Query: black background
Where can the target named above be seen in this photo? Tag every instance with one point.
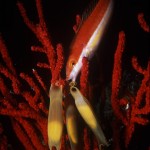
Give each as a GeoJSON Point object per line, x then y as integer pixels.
{"type": "Point", "coordinates": [60, 17]}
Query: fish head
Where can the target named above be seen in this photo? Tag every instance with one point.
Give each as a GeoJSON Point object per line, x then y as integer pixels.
{"type": "Point", "coordinates": [72, 61]}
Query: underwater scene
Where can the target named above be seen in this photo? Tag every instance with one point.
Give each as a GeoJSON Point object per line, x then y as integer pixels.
{"type": "Point", "coordinates": [74, 75]}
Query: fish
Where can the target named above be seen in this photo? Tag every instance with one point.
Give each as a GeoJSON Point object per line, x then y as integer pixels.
{"type": "Point", "coordinates": [93, 25]}
{"type": "Point", "coordinates": [71, 124]}
{"type": "Point", "coordinates": [87, 113]}
{"type": "Point", "coordinates": [55, 118]}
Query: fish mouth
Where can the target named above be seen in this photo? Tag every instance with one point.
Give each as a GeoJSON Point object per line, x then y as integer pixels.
{"type": "Point", "coordinates": [67, 75]}
{"type": "Point", "coordinates": [68, 79]}
{"type": "Point", "coordinates": [73, 73]}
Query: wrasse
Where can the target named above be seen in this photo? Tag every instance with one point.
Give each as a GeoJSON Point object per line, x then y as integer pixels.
{"type": "Point", "coordinates": [88, 37]}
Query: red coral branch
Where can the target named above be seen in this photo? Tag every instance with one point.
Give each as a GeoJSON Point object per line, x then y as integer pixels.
{"type": "Point", "coordinates": [32, 100]}
{"type": "Point", "coordinates": [143, 23]}
{"type": "Point", "coordinates": [39, 79]}
{"type": "Point", "coordinates": [41, 32]}
{"type": "Point", "coordinates": [84, 77]}
{"type": "Point", "coordinates": [59, 64]}
{"type": "Point", "coordinates": [116, 77]}
{"type": "Point", "coordinates": [43, 65]}
{"type": "Point", "coordinates": [87, 145]}
{"type": "Point", "coordinates": [40, 13]}
{"type": "Point", "coordinates": [3, 139]}
{"type": "Point", "coordinates": [27, 107]}
{"type": "Point", "coordinates": [13, 79]}
{"type": "Point", "coordinates": [22, 135]}
{"type": "Point", "coordinates": [136, 66]}
{"type": "Point", "coordinates": [137, 105]}
{"type": "Point", "coordinates": [6, 57]}
{"type": "Point", "coordinates": [31, 132]}
{"type": "Point", "coordinates": [38, 49]}
{"type": "Point", "coordinates": [14, 105]}
{"type": "Point", "coordinates": [84, 90]}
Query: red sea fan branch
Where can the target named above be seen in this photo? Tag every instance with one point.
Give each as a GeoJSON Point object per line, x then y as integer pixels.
{"type": "Point", "coordinates": [11, 77]}
{"type": "Point", "coordinates": [137, 105]}
{"type": "Point", "coordinates": [31, 99]}
{"type": "Point", "coordinates": [6, 57]}
{"type": "Point", "coordinates": [8, 71]}
{"type": "Point", "coordinates": [136, 66]}
{"type": "Point", "coordinates": [22, 135]}
{"type": "Point", "coordinates": [3, 139]}
{"type": "Point", "coordinates": [143, 23]}
{"type": "Point", "coordinates": [145, 81]}
{"type": "Point", "coordinates": [39, 79]}
{"type": "Point", "coordinates": [14, 105]}
{"type": "Point", "coordinates": [41, 32]}
{"type": "Point", "coordinates": [84, 90]}
{"type": "Point", "coordinates": [31, 132]}
{"type": "Point", "coordinates": [84, 77]}
{"type": "Point", "coordinates": [40, 13]}
{"type": "Point", "coordinates": [116, 77]}
{"type": "Point", "coordinates": [59, 64]}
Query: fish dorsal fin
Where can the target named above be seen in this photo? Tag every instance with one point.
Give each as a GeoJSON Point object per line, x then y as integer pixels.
{"type": "Point", "coordinates": [88, 10]}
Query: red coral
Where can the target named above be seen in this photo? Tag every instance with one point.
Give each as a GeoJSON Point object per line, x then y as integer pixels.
{"type": "Point", "coordinates": [3, 141]}
{"type": "Point", "coordinates": [84, 77]}
{"type": "Point", "coordinates": [143, 23]}
{"type": "Point", "coordinates": [132, 114]}
{"type": "Point", "coordinates": [23, 100]}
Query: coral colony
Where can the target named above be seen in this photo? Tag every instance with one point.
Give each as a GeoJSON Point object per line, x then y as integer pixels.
{"type": "Point", "coordinates": [23, 97]}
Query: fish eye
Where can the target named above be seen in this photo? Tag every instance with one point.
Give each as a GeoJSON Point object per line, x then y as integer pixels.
{"type": "Point", "coordinates": [72, 63]}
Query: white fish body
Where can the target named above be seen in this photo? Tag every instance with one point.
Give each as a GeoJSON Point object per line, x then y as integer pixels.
{"type": "Point", "coordinates": [71, 123]}
{"type": "Point", "coordinates": [55, 118]}
{"type": "Point", "coordinates": [88, 115]}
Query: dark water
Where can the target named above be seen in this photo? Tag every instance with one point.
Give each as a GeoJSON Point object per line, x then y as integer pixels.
{"type": "Point", "coordinates": [60, 17]}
